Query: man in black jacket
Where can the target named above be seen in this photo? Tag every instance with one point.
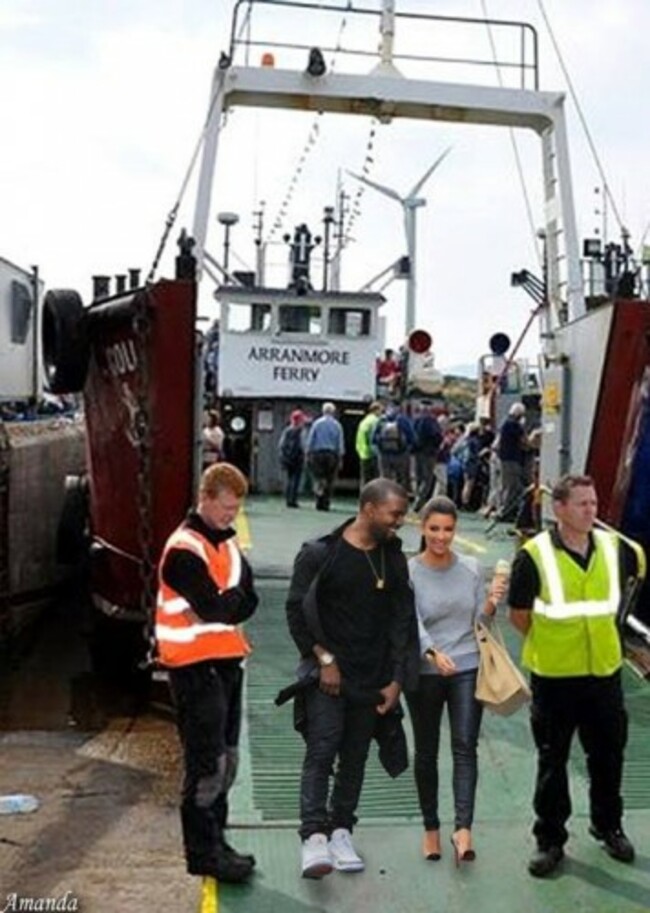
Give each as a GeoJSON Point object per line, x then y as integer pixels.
{"type": "Point", "coordinates": [205, 592]}
{"type": "Point", "coordinates": [351, 614]}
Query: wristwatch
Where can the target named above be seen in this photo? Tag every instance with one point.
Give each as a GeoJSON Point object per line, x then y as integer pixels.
{"type": "Point", "coordinates": [326, 658]}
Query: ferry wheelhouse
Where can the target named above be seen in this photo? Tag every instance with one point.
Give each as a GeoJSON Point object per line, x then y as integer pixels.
{"type": "Point", "coordinates": [279, 351]}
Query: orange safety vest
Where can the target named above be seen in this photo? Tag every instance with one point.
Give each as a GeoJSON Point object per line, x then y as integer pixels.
{"type": "Point", "coordinates": [182, 636]}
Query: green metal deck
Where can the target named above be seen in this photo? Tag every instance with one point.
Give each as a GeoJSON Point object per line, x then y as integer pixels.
{"type": "Point", "coordinates": [265, 800]}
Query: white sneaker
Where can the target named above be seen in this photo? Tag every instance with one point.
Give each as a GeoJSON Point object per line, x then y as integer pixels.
{"type": "Point", "coordinates": [344, 856]}
{"type": "Point", "coordinates": [316, 858]}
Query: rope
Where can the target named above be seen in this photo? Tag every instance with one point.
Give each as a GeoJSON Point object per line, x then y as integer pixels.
{"type": "Point", "coordinates": [368, 161]}
{"type": "Point", "coordinates": [312, 138]}
{"type": "Point", "coordinates": [583, 121]}
{"type": "Point", "coordinates": [173, 212]}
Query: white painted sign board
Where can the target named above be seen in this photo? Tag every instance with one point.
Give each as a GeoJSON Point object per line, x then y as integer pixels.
{"type": "Point", "coordinates": [259, 365]}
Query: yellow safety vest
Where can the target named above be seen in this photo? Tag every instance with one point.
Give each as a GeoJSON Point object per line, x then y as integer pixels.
{"type": "Point", "coordinates": [364, 436]}
{"type": "Point", "coordinates": [182, 636]}
{"type": "Point", "coordinates": [573, 630]}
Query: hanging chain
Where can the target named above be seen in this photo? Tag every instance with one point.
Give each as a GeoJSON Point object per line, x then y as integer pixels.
{"type": "Point", "coordinates": [5, 578]}
{"type": "Point", "coordinates": [142, 325]}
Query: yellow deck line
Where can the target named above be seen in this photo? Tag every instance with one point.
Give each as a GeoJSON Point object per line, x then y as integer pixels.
{"type": "Point", "coordinates": [243, 530]}
{"type": "Point", "coordinates": [469, 544]}
{"type": "Point", "coordinates": [209, 896]}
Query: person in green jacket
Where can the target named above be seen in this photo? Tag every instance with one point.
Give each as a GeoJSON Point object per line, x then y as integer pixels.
{"type": "Point", "coordinates": [565, 593]}
{"type": "Point", "coordinates": [368, 464]}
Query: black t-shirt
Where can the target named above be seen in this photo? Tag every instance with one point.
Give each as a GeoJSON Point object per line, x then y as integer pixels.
{"type": "Point", "coordinates": [511, 441]}
{"type": "Point", "coordinates": [355, 614]}
{"type": "Point", "coordinates": [525, 583]}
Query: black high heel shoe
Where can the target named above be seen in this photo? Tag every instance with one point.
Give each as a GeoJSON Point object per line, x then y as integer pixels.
{"type": "Point", "coordinates": [466, 855]}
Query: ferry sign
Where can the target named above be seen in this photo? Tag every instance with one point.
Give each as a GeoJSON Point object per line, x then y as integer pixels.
{"type": "Point", "coordinates": [254, 365]}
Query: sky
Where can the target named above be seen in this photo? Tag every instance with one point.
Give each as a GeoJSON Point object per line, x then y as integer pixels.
{"type": "Point", "coordinates": [102, 106]}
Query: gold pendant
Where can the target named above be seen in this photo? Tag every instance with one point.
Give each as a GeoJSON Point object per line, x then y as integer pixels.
{"type": "Point", "coordinates": [380, 583]}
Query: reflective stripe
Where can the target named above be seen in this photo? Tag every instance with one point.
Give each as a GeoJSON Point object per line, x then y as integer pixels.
{"type": "Point", "coordinates": [235, 564]}
{"type": "Point", "coordinates": [587, 608]}
{"type": "Point", "coordinates": [611, 560]}
{"type": "Point", "coordinates": [188, 633]}
{"type": "Point", "coordinates": [558, 607]}
{"type": "Point", "coordinates": [551, 569]}
{"type": "Point", "coordinates": [174, 606]}
{"type": "Point", "coordinates": [196, 544]}
{"type": "Point", "coordinates": [187, 539]}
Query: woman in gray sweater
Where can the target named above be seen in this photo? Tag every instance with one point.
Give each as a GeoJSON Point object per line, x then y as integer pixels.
{"type": "Point", "coordinates": [450, 595]}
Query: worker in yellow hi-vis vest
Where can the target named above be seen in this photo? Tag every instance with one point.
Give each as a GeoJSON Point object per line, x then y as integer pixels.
{"type": "Point", "coordinates": [565, 593]}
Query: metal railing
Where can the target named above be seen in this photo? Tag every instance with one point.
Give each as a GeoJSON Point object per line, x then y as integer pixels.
{"type": "Point", "coordinates": [503, 46]}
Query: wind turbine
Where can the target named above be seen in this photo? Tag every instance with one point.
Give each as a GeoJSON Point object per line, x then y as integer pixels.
{"type": "Point", "coordinates": [409, 204]}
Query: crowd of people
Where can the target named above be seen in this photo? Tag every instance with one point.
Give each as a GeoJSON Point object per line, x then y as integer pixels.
{"type": "Point", "coordinates": [482, 468]}
{"type": "Point", "coordinates": [425, 451]}
{"type": "Point", "coordinates": [370, 627]}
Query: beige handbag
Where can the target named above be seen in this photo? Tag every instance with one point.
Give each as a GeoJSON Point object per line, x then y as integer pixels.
{"type": "Point", "coordinates": [500, 685]}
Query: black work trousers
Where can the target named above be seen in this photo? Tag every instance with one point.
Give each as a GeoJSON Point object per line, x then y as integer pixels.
{"type": "Point", "coordinates": [207, 697]}
{"type": "Point", "coordinates": [323, 465]}
{"type": "Point", "coordinates": [594, 708]}
{"type": "Point", "coordinates": [335, 728]}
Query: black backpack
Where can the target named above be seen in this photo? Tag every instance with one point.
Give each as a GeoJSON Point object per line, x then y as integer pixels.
{"type": "Point", "coordinates": [391, 438]}
{"type": "Point", "coordinates": [291, 453]}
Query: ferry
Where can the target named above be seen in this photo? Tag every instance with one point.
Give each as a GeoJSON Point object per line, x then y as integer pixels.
{"type": "Point", "coordinates": [138, 360]}
{"type": "Point", "coordinates": [137, 357]}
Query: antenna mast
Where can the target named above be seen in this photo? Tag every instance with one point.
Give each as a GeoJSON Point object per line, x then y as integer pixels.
{"type": "Point", "coordinates": [260, 246]}
{"type": "Point", "coordinates": [387, 30]}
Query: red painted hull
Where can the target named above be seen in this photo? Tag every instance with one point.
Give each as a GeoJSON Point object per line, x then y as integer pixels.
{"type": "Point", "coordinates": [626, 360]}
{"type": "Point", "coordinates": [115, 469]}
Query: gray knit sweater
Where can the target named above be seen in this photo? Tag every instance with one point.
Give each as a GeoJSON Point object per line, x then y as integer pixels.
{"type": "Point", "coordinates": [448, 601]}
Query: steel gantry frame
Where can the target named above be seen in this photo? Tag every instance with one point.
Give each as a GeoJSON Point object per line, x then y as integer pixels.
{"type": "Point", "coordinates": [386, 94]}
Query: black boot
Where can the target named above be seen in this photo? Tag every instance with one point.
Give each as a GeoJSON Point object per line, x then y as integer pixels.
{"type": "Point", "coordinates": [545, 861]}
{"type": "Point", "coordinates": [227, 868]}
{"type": "Point", "coordinates": [242, 857]}
{"type": "Point", "coordinates": [617, 844]}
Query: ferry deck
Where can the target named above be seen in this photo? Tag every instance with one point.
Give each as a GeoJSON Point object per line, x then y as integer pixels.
{"type": "Point", "coordinates": [107, 829]}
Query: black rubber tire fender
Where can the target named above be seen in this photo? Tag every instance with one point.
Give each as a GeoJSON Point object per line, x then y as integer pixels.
{"type": "Point", "coordinates": [65, 343]}
{"type": "Point", "coordinates": [73, 532]}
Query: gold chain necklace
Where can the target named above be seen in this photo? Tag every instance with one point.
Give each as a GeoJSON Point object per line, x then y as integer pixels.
{"type": "Point", "coordinates": [380, 579]}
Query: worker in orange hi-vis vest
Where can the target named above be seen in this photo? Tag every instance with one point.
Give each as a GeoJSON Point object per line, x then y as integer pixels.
{"type": "Point", "coordinates": [205, 592]}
